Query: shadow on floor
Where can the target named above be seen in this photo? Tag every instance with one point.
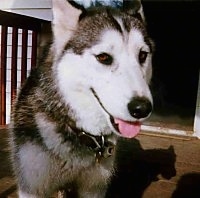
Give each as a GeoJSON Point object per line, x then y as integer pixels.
{"type": "Point", "coordinates": [138, 168]}
{"type": "Point", "coordinates": [188, 186]}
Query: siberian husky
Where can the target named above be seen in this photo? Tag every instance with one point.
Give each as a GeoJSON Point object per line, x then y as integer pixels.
{"type": "Point", "coordinates": [92, 87]}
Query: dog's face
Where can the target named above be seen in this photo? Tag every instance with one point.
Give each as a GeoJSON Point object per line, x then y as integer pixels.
{"type": "Point", "coordinates": [103, 69]}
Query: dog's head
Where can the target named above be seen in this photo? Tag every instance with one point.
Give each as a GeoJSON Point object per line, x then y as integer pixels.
{"type": "Point", "coordinates": [103, 66]}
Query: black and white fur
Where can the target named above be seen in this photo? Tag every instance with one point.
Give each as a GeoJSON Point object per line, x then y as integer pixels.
{"type": "Point", "coordinates": [75, 92]}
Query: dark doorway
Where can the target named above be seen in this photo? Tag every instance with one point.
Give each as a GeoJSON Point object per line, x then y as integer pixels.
{"type": "Point", "coordinates": [174, 27]}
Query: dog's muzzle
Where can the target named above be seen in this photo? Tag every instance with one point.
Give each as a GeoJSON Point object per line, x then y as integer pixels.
{"type": "Point", "coordinates": [139, 108]}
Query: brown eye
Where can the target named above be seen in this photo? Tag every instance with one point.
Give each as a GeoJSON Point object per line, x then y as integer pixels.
{"type": "Point", "coordinates": [104, 58]}
{"type": "Point", "coordinates": [142, 56]}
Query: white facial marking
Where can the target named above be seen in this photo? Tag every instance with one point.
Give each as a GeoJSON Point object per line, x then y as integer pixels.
{"type": "Point", "coordinates": [75, 84]}
{"type": "Point", "coordinates": [114, 84]}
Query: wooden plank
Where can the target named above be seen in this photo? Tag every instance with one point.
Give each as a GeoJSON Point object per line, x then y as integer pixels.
{"type": "Point", "coordinates": [4, 37]}
{"type": "Point", "coordinates": [15, 20]}
{"type": "Point", "coordinates": [14, 64]}
{"type": "Point", "coordinates": [24, 55]}
{"type": "Point", "coordinates": [34, 49]}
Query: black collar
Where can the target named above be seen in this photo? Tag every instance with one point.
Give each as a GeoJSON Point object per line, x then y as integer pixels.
{"type": "Point", "coordinates": [100, 144]}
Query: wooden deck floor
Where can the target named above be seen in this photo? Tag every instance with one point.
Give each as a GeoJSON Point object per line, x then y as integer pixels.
{"type": "Point", "coordinates": [148, 167]}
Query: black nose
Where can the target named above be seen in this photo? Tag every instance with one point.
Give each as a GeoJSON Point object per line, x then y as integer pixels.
{"type": "Point", "coordinates": [139, 107]}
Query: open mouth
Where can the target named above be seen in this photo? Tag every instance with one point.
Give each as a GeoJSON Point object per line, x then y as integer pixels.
{"type": "Point", "coordinates": [121, 127]}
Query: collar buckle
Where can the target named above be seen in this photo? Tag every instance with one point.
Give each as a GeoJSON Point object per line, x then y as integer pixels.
{"type": "Point", "coordinates": [102, 147]}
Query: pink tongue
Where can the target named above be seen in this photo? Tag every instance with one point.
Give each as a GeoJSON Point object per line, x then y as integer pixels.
{"type": "Point", "coordinates": [128, 129]}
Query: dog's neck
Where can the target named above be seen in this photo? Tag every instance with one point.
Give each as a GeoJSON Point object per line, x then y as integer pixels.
{"type": "Point", "coordinates": [100, 144]}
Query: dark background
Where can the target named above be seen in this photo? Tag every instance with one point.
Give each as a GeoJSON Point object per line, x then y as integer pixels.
{"type": "Point", "coordinates": [175, 28]}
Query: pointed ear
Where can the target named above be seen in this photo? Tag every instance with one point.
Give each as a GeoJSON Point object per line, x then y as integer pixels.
{"type": "Point", "coordinates": [134, 8]}
{"type": "Point", "coordinates": [65, 20]}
